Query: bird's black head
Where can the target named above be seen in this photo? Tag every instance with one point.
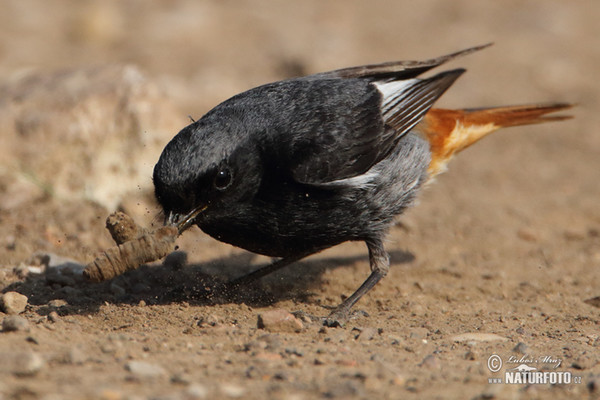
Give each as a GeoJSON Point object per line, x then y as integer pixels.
{"type": "Point", "coordinates": [204, 171]}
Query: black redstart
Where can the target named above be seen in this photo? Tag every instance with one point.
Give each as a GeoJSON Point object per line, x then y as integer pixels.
{"type": "Point", "coordinates": [291, 168]}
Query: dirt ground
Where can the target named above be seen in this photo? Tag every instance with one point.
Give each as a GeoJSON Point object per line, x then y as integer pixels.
{"type": "Point", "coordinates": [507, 242]}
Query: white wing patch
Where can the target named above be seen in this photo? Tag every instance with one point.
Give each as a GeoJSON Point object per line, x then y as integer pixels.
{"type": "Point", "coordinates": [361, 181]}
{"type": "Point", "coordinates": [404, 102]}
{"type": "Point", "coordinates": [391, 91]}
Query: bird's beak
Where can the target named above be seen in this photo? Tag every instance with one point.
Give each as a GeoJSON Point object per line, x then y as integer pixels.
{"type": "Point", "coordinates": [184, 222]}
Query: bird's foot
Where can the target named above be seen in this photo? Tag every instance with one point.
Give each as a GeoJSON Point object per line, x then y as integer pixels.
{"type": "Point", "coordinates": [340, 316]}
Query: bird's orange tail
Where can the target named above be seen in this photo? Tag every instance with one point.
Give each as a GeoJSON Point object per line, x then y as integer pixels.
{"type": "Point", "coordinates": [450, 131]}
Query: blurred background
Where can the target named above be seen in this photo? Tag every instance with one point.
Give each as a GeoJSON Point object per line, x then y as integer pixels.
{"type": "Point", "coordinates": [205, 51]}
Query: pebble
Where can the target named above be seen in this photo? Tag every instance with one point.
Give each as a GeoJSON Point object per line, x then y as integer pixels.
{"type": "Point", "coordinates": [141, 369]}
{"type": "Point", "coordinates": [53, 317]}
{"type": "Point", "coordinates": [478, 337]}
{"type": "Point", "coordinates": [14, 323]}
{"type": "Point", "coordinates": [231, 390]}
{"type": "Point", "coordinates": [13, 303]}
{"type": "Point", "coordinates": [197, 391]}
{"type": "Point", "coordinates": [521, 348]}
{"type": "Point", "coordinates": [431, 362]}
{"type": "Point", "coordinates": [181, 379]}
{"type": "Point", "coordinates": [75, 356]}
{"type": "Point", "coordinates": [21, 363]}
{"type": "Point", "coordinates": [419, 333]}
{"type": "Point", "coordinates": [527, 235]}
{"type": "Point", "coordinates": [279, 320]}
{"type": "Point", "coordinates": [57, 303]}
{"type": "Point", "coordinates": [367, 334]}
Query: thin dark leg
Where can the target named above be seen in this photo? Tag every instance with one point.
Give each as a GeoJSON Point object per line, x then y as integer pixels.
{"type": "Point", "coordinates": [380, 265]}
{"type": "Point", "coordinates": [259, 273]}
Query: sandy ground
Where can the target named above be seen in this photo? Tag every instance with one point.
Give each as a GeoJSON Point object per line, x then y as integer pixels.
{"type": "Point", "coordinates": [506, 243]}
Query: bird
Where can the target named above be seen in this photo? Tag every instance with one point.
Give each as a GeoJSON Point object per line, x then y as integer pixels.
{"type": "Point", "coordinates": [294, 167]}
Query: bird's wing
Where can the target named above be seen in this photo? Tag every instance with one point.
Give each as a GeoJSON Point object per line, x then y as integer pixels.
{"type": "Point", "coordinates": [358, 124]}
{"type": "Point", "coordinates": [396, 69]}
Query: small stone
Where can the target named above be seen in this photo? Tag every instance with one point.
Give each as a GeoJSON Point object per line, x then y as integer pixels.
{"type": "Point", "coordinates": [209, 320]}
{"type": "Point", "coordinates": [21, 363]}
{"type": "Point", "coordinates": [594, 301]}
{"type": "Point", "coordinates": [197, 391]}
{"type": "Point", "coordinates": [231, 390]}
{"type": "Point", "coordinates": [347, 362]}
{"type": "Point", "coordinates": [75, 356]}
{"type": "Point", "coordinates": [53, 317]}
{"type": "Point", "coordinates": [181, 379]}
{"type": "Point", "coordinates": [142, 370]}
{"type": "Point", "coordinates": [527, 235]}
{"type": "Point", "coordinates": [419, 333]}
{"type": "Point", "coordinates": [13, 303]}
{"type": "Point", "coordinates": [367, 334]}
{"type": "Point", "coordinates": [521, 348]}
{"type": "Point", "coordinates": [431, 362]}
{"type": "Point", "coordinates": [279, 320]}
{"type": "Point", "coordinates": [57, 303]}
{"type": "Point", "coordinates": [399, 380]}
{"type": "Point", "coordinates": [15, 323]}
{"type": "Point", "coordinates": [294, 351]}
{"type": "Point", "coordinates": [478, 337]}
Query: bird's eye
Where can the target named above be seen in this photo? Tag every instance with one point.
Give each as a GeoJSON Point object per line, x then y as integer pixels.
{"type": "Point", "coordinates": [222, 179]}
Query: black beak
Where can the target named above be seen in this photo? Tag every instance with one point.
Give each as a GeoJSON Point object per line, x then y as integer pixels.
{"type": "Point", "coordinates": [183, 222]}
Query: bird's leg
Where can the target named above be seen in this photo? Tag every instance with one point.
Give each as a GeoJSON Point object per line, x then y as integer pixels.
{"type": "Point", "coordinates": [266, 270]}
{"type": "Point", "coordinates": [380, 265]}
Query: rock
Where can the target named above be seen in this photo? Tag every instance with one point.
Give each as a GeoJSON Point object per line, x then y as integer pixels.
{"type": "Point", "coordinates": [14, 323]}
{"type": "Point", "coordinates": [53, 317]}
{"type": "Point", "coordinates": [367, 334]}
{"type": "Point", "coordinates": [57, 303]}
{"type": "Point", "coordinates": [431, 362]}
{"type": "Point", "coordinates": [144, 370]}
{"type": "Point", "coordinates": [231, 390]}
{"type": "Point", "coordinates": [21, 363]}
{"type": "Point", "coordinates": [527, 235]}
{"type": "Point", "coordinates": [13, 303]}
{"type": "Point", "coordinates": [197, 391]}
{"type": "Point", "coordinates": [419, 333]}
{"type": "Point", "coordinates": [279, 320]}
{"type": "Point", "coordinates": [88, 133]}
{"type": "Point", "coordinates": [75, 356]}
{"type": "Point", "coordinates": [521, 348]}
{"type": "Point", "coordinates": [478, 337]}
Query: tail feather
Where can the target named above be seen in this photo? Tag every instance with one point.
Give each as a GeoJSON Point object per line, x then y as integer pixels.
{"type": "Point", "coordinates": [450, 131]}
